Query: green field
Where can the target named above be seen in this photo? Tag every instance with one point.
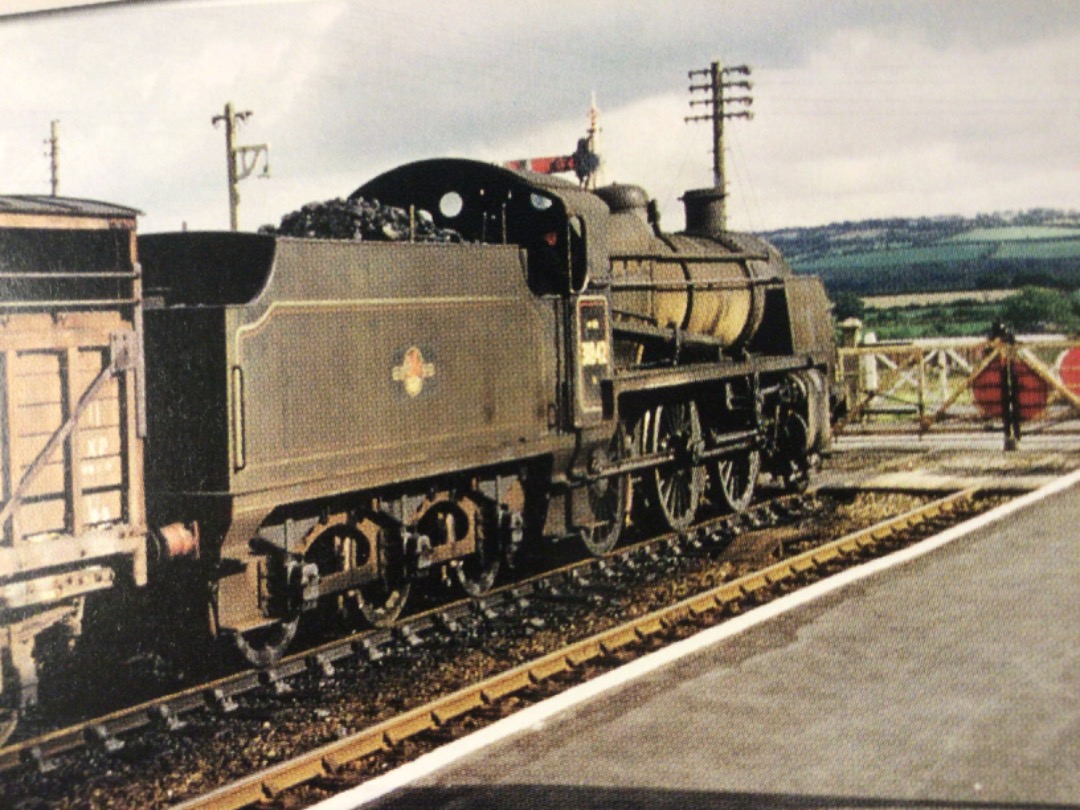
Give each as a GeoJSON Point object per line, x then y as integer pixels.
{"type": "Point", "coordinates": [1043, 249]}
{"type": "Point", "coordinates": [891, 259]}
{"type": "Point", "coordinates": [1028, 233]}
{"type": "Point", "coordinates": [932, 276]}
{"type": "Point", "coordinates": [1028, 311]}
{"type": "Point", "coordinates": [950, 266]}
{"type": "Point", "coordinates": [943, 254]}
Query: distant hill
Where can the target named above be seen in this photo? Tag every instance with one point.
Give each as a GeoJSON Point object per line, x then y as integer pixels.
{"type": "Point", "coordinates": [1039, 247]}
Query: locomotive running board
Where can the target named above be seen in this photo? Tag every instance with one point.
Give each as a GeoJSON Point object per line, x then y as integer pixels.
{"type": "Point", "coordinates": [667, 377]}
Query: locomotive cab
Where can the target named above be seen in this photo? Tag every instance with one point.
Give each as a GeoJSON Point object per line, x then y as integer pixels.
{"type": "Point", "coordinates": [549, 218]}
{"type": "Point", "coordinates": [562, 231]}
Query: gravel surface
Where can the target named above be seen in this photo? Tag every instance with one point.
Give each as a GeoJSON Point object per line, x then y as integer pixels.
{"type": "Point", "coordinates": [161, 768]}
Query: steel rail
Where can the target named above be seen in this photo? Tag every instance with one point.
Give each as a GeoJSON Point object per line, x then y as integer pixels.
{"type": "Point", "coordinates": [218, 695]}
{"type": "Point", "coordinates": [329, 759]}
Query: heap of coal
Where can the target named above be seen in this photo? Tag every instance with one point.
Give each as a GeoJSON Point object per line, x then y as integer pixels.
{"type": "Point", "coordinates": [361, 220]}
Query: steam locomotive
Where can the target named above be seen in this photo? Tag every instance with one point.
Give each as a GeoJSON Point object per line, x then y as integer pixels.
{"type": "Point", "coordinates": [320, 424]}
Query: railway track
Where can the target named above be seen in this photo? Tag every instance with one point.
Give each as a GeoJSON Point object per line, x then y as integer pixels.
{"type": "Point", "coordinates": [491, 696]}
{"type": "Point", "coordinates": [334, 767]}
{"type": "Point", "coordinates": [106, 733]}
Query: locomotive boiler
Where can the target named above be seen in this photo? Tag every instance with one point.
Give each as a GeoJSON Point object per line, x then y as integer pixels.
{"type": "Point", "coordinates": [331, 421]}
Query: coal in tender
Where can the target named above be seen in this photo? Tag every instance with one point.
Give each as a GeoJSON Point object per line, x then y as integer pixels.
{"type": "Point", "coordinates": [360, 219]}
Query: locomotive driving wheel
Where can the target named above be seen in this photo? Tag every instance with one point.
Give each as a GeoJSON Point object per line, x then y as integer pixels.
{"type": "Point", "coordinates": [609, 500]}
{"type": "Point", "coordinates": [734, 477]}
{"type": "Point", "coordinates": [674, 488]}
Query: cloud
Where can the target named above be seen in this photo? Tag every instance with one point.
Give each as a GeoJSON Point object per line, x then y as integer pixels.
{"type": "Point", "coordinates": [877, 126]}
{"type": "Point", "coordinates": [862, 108]}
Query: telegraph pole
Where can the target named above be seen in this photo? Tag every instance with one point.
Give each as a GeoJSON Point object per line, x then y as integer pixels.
{"type": "Point", "coordinates": [240, 161]}
{"type": "Point", "coordinates": [54, 156]}
{"type": "Point", "coordinates": [716, 83]}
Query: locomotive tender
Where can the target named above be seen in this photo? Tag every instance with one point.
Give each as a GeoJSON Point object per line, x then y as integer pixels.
{"type": "Point", "coordinates": [328, 421]}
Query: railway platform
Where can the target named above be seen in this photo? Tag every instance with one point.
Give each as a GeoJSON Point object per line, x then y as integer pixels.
{"type": "Point", "coordinates": [949, 681]}
{"type": "Point", "coordinates": [947, 462]}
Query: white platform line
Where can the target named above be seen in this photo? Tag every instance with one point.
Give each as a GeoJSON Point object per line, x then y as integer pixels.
{"type": "Point", "coordinates": [538, 713]}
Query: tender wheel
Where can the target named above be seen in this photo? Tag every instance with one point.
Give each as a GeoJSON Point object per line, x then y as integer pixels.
{"type": "Point", "coordinates": [734, 477]}
{"type": "Point", "coordinates": [381, 605]}
{"type": "Point", "coordinates": [675, 488]}
{"type": "Point", "coordinates": [343, 544]}
{"type": "Point", "coordinates": [477, 573]}
{"type": "Point", "coordinates": [265, 645]}
{"type": "Point", "coordinates": [382, 601]}
{"type": "Point", "coordinates": [609, 499]}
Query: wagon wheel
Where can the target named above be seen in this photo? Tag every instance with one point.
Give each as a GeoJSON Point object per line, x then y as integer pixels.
{"type": "Point", "coordinates": [609, 499]}
{"type": "Point", "coordinates": [734, 477]}
{"type": "Point", "coordinates": [477, 573]}
{"type": "Point", "coordinates": [263, 646]}
{"type": "Point", "coordinates": [674, 488]}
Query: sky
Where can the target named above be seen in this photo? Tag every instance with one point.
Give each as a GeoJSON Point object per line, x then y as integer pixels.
{"type": "Point", "coordinates": [862, 108]}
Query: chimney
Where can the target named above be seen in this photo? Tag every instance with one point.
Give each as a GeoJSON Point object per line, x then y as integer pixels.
{"type": "Point", "coordinates": [704, 211]}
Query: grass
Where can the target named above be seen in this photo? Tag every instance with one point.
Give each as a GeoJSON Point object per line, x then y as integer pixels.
{"type": "Point", "coordinates": [956, 319]}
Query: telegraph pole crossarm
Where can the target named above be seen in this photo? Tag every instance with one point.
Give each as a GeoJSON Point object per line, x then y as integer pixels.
{"type": "Point", "coordinates": [719, 94]}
